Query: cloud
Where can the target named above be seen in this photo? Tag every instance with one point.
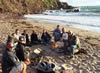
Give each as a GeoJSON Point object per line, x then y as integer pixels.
{"type": "Point", "coordinates": [82, 2]}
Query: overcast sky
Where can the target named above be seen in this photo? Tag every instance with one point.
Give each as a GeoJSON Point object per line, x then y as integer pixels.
{"type": "Point", "coordinates": [82, 2]}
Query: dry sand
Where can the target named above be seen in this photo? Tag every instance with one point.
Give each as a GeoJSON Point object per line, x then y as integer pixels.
{"type": "Point", "coordinates": [82, 63]}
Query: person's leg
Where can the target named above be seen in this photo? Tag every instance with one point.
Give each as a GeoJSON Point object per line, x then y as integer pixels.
{"type": "Point", "coordinates": [44, 42]}
{"type": "Point", "coordinates": [21, 68]}
{"type": "Point", "coordinates": [24, 68]}
{"type": "Point", "coordinates": [65, 47]}
{"type": "Point", "coordinates": [48, 41]}
{"type": "Point", "coordinates": [73, 47]}
{"type": "Point", "coordinates": [39, 41]}
{"type": "Point", "coordinates": [55, 39]}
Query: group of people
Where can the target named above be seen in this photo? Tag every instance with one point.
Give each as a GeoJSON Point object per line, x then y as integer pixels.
{"type": "Point", "coordinates": [69, 39]}
{"type": "Point", "coordinates": [45, 38]}
{"type": "Point", "coordinates": [14, 59]}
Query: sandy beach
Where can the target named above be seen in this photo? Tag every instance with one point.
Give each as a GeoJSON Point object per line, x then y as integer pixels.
{"type": "Point", "coordinates": [81, 63]}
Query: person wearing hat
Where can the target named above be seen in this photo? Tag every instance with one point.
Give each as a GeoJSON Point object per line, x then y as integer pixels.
{"type": "Point", "coordinates": [73, 42]}
{"type": "Point", "coordinates": [11, 63]}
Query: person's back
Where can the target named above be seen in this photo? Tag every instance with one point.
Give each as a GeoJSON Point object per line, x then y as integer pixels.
{"type": "Point", "coordinates": [34, 38]}
{"type": "Point", "coordinates": [20, 52]}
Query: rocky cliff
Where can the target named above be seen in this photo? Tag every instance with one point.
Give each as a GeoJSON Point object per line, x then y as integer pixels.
{"type": "Point", "coordinates": [30, 6]}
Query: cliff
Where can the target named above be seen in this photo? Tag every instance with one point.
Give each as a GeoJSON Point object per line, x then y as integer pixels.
{"type": "Point", "coordinates": [30, 6]}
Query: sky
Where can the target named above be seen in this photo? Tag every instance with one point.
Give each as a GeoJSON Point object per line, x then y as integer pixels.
{"type": "Point", "coordinates": [82, 2]}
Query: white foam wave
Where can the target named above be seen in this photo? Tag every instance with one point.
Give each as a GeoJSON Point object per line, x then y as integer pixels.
{"type": "Point", "coordinates": [77, 20]}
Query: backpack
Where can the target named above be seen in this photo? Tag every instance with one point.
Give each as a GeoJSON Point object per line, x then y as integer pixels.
{"type": "Point", "coordinates": [27, 53]}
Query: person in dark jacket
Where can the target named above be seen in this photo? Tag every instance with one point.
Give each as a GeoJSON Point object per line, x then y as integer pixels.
{"type": "Point", "coordinates": [26, 37]}
{"type": "Point", "coordinates": [45, 38]}
{"type": "Point", "coordinates": [73, 42]}
{"type": "Point", "coordinates": [57, 34]}
{"type": "Point", "coordinates": [10, 62]}
{"type": "Point", "coordinates": [34, 38]}
{"type": "Point", "coordinates": [20, 49]}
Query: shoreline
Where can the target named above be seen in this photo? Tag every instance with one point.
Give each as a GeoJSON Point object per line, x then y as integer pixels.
{"type": "Point", "coordinates": [53, 25]}
{"type": "Point", "coordinates": [77, 20]}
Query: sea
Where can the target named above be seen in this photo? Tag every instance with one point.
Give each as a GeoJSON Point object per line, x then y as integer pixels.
{"type": "Point", "coordinates": [88, 18]}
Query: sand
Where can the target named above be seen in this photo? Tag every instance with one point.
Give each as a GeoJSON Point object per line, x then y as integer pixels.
{"type": "Point", "coordinates": [82, 63]}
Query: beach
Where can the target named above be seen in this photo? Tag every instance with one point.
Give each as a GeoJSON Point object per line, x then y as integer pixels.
{"type": "Point", "coordinates": [81, 63]}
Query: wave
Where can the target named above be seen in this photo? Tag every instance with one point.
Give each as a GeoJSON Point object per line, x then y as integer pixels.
{"type": "Point", "coordinates": [81, 19]}
{"type": "Point", "coordinates": [90, 8]}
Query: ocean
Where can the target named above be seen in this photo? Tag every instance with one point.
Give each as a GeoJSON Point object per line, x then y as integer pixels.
{"type": "Point", "coordinates": [88, 18]}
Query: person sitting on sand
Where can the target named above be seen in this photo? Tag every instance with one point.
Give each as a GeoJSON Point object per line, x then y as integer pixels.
{"type": "Point", "coordinates": [64, 36]}
{"type": "Point", "coordinates": [20, 48]}
{"type": "Point", "coordinates": [17, 34]}
{"type": "Point", "coordinates": [45, 38]}
{"type": "Point", "coordinates": [34, 38]}
{"type": "Point", "coordinates": [26, 37]}
{"type": "Point", "coordinates": [57, 34]}
{"type": "Point", "coordinates": [11, 38]}
{"type": "Point", "coordinates": [73, 42]}
{"type": "Point", "coordinates": [10, 62]}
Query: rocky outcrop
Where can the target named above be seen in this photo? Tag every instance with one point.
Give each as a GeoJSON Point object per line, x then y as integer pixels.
{"type": "Point", "coordinates": [30, 6]}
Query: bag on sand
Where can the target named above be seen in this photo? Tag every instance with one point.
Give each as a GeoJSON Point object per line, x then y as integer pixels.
{"type": "Point", "coordinates": [44, 67]}
{"type": "Point", "coordinates": [27, 53]}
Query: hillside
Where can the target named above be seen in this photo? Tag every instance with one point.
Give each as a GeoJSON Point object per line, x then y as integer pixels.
{"type": "Point", "coordinates": [30, 6]}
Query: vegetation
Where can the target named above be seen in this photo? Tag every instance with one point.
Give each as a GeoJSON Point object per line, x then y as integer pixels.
{"type": "Point", "coordinates": [28, 6]}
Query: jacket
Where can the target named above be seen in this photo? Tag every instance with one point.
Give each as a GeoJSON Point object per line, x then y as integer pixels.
{"type": "Point", "coordinates": [57, 34]}
{"type": "Point", "coordinates": [74, 40]}
{"type": "Point", "coordinates": [9, 60]}
{"type": "Point", "coordinates": [20, 51]}
{"type": "Point", "coordinates": [46, 36]}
